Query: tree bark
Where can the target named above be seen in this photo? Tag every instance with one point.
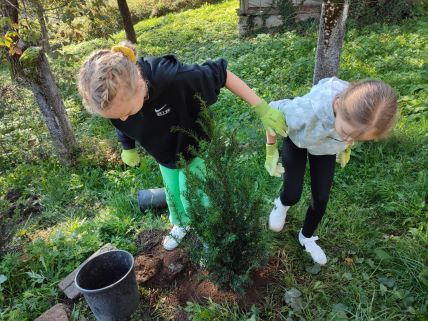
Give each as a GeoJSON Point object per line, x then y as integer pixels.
{"type": "Point", "coordinates": [42, 83]}
{"type": "Point", "coordinates": [10, 8]}
{"type": "Point", "coordinates": [330, 38]}
{"type": "Point", "coordinates": [46, 92]}
{"type": "Point", "coordinates": [127, 22]}
{"type": "Point", "coordinates": [44, 41]}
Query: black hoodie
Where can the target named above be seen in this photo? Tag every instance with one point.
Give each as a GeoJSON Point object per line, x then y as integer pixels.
{"type": "Point", "coordinates": [173, 101]}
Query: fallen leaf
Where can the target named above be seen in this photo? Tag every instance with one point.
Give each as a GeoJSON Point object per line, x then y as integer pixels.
{"type": "Point", "coordinates": [383, 289]}
{"type": "Point", "coordinates": [334, 260]}
{"type": "Point", "coordinates": [370, 263]}
{"type": "Point", "coordinates": [411, 310]}
{"type": "Point", "coordinates": [359, 260]}
{"type": "Point", "coordinates": [423, 276]}
{"type": "Point", "coordinates": [408, 301]}
{"type": "Point", "coordinates": [337, 316]}
{"type": "Point", "coordinates": [340, 307]}
{"type": "Point", "coordinates": [382, 254]}
{"type": "Point", "coordinates": [313, 269]}
{"type": "Point", "coordinates": [349, 261]}
{"type": "Point", "coordinates": [293, 299]}
{"type": "Point", "coordinates": [338, 313]}
{"type": "Point", "coordinates": [292, 293]}
{"type": "Point", "coordinates": [388, 282]}
{"type": "Point", "coordinates": [347, 276]}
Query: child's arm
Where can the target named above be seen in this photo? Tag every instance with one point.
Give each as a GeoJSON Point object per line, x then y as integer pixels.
{"type": "Point", "coordinates": [272, 119]}
{"type": "Point", "coordinates": [241, 89]}
{"type": "Point", "coordinates": [270, 139]}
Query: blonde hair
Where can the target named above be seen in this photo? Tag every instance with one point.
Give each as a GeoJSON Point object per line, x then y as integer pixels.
{"type": "Point", "coordinates": [370, 105]}
{"type": "Point", "coordinates": [103, 72]}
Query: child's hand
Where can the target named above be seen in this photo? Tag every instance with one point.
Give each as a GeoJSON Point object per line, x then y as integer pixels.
{"type": "Point", "coordinates": [271, 164]}
{"type": "Point", "coordinates": [130, 157]}
{"type": "Point", "coordinates": [343, 157]}
{"type": "Point", "coordinates": [272, 119]}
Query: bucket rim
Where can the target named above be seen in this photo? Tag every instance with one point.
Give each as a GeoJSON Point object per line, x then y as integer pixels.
{"type": "Point", "coordinates": [82, 290]}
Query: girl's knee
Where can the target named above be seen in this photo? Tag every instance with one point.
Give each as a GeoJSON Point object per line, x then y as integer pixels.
{"type": "Point", "coordinates": [289, 199]}
{"type": "Point", "coordinates": [320, 201]}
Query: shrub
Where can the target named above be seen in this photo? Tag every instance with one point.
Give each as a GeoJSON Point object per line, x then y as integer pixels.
{"type": "Point", "coordinates": [225, 208]}
{"type": "Point", "coordinates": [383, 11]}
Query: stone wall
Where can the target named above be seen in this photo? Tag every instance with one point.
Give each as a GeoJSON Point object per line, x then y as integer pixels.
{"type": "Point", "coordinates": [256, 14]}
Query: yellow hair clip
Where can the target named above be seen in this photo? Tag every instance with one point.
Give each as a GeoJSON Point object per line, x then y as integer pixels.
{"type": "Point", "coordinates": [127, 52]}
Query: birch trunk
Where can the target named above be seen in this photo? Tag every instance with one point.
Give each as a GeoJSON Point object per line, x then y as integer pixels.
{"type": "Point", "coordinates": [330, 38]}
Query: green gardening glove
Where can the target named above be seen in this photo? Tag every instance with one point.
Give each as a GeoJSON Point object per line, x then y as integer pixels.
{"type": "Point", "coordinates": [130, 157]}
{"type": "Point", "coordinates": [272, 119]}
{"type": "Point", "coordinates": [271, 164]}
{"type": "Point", "coordinates": [343, 157]}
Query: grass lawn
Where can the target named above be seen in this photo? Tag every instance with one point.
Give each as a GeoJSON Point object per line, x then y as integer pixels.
{"type": "Point", "coordinates": [375, 231]}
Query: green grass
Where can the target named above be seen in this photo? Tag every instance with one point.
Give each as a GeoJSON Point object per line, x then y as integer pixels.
{"type": "Point", "coordinates": [377, 215]}
{"type": "Point", "coordinates": [154, 8]}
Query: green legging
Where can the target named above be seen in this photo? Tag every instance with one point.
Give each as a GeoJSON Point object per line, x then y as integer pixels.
{"type": "Point", "coordinates": [175, 185]}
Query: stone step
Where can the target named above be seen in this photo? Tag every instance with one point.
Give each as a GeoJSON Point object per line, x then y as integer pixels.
{"type": "Point", "coordinates": [59, 312]}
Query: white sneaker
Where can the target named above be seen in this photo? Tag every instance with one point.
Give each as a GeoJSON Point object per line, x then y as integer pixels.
{"type": "Point", "coordinates": [174, 237]}
{"type": "Point", "coordinates": [313, 248]}
{"type": "Point", "coordinates": [277, 216]}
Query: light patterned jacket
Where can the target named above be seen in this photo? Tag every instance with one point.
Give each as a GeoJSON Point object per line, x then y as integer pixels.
{"type": "Point", "coordinates": [310, 118]}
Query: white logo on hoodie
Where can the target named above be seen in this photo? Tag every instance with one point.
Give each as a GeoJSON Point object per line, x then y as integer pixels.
{"type": "Point", "coordinates": [162, 111]}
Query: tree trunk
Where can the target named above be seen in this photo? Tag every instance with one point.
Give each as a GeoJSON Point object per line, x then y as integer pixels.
{"type": "Point", "coordinates": [330, 38]}
{"type": "Point", "coordinates": [44, 41]}
{"type": "Point", "coordinates": [127, 22]}
{"type": "Point", "coordinates": [43, 86]}
{"type": "Point", "coordinates": [10, 9]}
{"type": "Point", "coordinates": [46, 92]}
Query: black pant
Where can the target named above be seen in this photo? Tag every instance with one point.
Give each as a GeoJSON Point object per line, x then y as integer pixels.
{"type": "Point", "coordinates": [322, 171]}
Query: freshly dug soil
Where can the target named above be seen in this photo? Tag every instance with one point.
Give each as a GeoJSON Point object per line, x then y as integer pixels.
{"type": "Point", "coordinates": [158, 269]}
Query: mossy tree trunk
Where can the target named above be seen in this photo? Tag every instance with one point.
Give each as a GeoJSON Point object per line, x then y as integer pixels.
{"type": "Point", "coordinates": [127, 21]}
{"type": "Point", "coordinates": [39, 78]}
{"type": "Point", "coordinates": [334, 14]}
{"type": "Point", "coordinates": [32, 69]}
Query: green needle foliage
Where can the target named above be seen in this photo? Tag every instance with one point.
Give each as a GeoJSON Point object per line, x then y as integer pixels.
{"type": "Point", "coordinates": [225, 207]}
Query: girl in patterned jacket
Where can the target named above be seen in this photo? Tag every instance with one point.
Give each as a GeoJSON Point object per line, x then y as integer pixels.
{"type": "Point", "coordinates": [322, 125]}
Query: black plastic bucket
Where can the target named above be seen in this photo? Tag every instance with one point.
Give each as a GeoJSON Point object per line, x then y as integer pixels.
{"type": "Point", "coordinates": [108, 284]}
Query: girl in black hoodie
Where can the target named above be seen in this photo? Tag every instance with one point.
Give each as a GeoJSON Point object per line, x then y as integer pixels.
{"type": "Point", "coordinates": [146, 97]}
